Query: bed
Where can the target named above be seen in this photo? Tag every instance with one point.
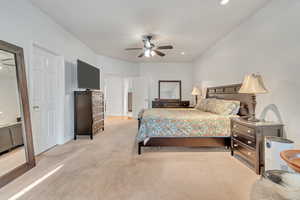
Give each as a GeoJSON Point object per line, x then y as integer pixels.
{"type": "Point", "coordinates": [192, 127]}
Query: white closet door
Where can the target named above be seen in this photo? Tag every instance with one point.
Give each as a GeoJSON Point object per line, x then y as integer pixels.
{"type": "Point", "coordinates": [44, 83]}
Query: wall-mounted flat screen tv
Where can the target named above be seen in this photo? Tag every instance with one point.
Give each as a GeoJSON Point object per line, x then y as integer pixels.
{"type": "Point", "coordinates": [88, 76]}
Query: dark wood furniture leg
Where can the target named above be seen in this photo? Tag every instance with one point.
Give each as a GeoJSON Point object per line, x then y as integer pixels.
{"type": "Point", "coordinates": [140, 148]}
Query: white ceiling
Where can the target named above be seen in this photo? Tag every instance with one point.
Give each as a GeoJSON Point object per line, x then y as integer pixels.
{"type": "Point", "coordinates": [110, 26]}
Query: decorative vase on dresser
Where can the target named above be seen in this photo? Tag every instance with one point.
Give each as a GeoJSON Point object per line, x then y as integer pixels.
{"type": "Point", "coordinates": [89, 113]}
{"type": "Point", "coordinates": [247, 140]}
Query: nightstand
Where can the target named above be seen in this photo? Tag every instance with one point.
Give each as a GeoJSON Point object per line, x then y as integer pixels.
{"type": "Point", "coordinates": [247, 140]}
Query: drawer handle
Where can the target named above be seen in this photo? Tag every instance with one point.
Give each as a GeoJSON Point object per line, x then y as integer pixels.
{"type": "Point", "coordinates": [234, 126]}
{"type": "Point", "coordinates": [235, 135]}
{"type": "Point", "coordinates": [235, 145]}
{"type": "Point", "coordinates": [249, 131]}
{"type": "Point", "coordinates": [249, 142]}
{"type": "Point", "coordinates": [249, 153]}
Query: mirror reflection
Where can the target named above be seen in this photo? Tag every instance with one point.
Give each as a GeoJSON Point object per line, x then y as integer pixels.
{"type": "Point", "coordinates": [12, 152]}
{"type": "Point", "coordinates": [169, 90]}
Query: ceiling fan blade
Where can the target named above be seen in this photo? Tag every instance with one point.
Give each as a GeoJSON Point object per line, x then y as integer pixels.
{"type": "Point", "coordinates": [159, 53]}
{"type": "Point", "coordinates": [128, 49]}
{"type": "Point", "coordinates": [165, 47]}
{"type": "Point", "coordinates": [141, 55]}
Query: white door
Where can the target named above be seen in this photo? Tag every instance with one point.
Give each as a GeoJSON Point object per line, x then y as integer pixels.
{"type": "Point", "coordinates": [140, 95]}
{"type": "Point", "coordinates": [44, 83]}
{"type": "Point", "coordinates": [114, 95]}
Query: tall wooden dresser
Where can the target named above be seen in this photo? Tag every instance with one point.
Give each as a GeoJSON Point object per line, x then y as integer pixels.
{"type": "Point", "coordinates": [88, 113]}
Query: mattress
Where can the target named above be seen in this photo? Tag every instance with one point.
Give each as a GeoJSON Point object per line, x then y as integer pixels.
{"type": "Point", "coordinates": [182, 123]}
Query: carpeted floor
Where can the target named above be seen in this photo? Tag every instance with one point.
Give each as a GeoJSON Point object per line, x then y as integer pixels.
{"type": "Point", "coordinates": [108, 168]}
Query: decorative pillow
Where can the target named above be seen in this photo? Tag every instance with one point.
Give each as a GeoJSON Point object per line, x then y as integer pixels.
{"type": "Point", "coordinates": [211, 104]}
{"type": "Point", "coordinates": [201, 105]}
{"type": "Point", "coordinates": [225, 107]}
{"type": "Point", "coordinates": [237, 108]}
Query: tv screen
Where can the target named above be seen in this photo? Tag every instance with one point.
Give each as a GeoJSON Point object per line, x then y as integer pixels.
{"type": "Point", "coordinates": [88, 77]}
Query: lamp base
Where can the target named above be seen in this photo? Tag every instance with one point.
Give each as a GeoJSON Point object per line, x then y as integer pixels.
{"type": "Point", "coordinates": [252, 117]}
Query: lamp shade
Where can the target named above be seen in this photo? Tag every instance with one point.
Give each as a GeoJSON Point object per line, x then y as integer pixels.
{"type": "Point", "coordinates": [253, 84]}
{"type": "Point", "coordinates": [196, 91]}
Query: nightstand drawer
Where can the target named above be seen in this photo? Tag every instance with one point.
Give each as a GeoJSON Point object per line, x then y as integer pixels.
{"type": "Point", "coordinates": [243, 129]}
{"type": "Point", "coordinates": [246, 139]}
{"type": "Point", "coordinates": [244, 151]}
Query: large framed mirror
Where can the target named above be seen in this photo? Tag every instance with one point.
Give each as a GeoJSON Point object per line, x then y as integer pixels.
{"type": "Point", "coordinates": [169, 90]}
{"type": "Point", "coordinates": [16, 144]}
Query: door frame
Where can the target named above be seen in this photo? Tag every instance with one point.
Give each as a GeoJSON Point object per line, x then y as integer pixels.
{"type": "Point", "coordinates": [60, 138]}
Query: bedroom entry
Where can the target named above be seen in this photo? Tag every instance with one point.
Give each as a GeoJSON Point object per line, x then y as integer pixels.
{"type": "Point", "coordinates": [140, 95]}
{"type": "Point", "coordinates": [125, 96]}
{"type": "Point", "coordinates": [113, 94]}
{"type": "Point", "coordinates": [45, 94]}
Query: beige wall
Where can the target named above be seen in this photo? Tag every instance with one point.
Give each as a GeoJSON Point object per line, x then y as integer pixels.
{"type": "Point", "coordinates": [268, 43]}
{"type": "Point", "coordinates": [154, 72]}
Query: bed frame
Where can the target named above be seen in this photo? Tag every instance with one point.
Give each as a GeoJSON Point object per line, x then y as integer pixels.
{"type": "Point", "coordinates": [228, 92]}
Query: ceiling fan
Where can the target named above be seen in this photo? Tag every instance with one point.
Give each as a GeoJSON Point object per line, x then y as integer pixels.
{"type": "Point", "coordinates": [150, 49]}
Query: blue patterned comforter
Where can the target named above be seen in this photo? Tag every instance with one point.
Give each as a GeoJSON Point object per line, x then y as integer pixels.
{"type": "Point", "coordinates": [182, 123]}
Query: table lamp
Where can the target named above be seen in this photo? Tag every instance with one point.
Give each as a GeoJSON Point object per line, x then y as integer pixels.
{"type": "Point", "coordinates": [196, 92]}
{"type": "Point", "coordinates": [253, 84]}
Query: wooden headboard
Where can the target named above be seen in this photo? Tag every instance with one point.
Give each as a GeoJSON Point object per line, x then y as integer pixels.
{"type": "Point", "coordinates": [231, 92]}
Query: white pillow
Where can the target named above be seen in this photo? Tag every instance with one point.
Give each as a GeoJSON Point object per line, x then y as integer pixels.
{"type": "Point", "coordinates": [201, 104]}
{"type": "Point", "coordinates": [225, 107]}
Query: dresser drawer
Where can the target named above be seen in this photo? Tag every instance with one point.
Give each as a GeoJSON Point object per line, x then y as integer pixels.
{"type": "Point", "coordinates": [243, 129]}
{"type": "Point", "coordinates": [244, 151]}
{"type": "Point", "coordinates": [246, 139]}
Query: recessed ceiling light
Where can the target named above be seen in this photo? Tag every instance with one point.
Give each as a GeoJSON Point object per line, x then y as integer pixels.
{"type": "Point", "coordinates": [224, 2]}
{"type": "Point", "coordinates": [182, 53]}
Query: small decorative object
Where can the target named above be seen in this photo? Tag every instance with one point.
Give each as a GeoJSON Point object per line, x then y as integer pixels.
{"type": "Point", "coordinates": [196, 92]}
{"type": "Point", "coordinates": [253, 84]}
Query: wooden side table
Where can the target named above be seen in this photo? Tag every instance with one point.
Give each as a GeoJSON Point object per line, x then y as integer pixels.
{"type": "Point", "coordinates": [247, 140]}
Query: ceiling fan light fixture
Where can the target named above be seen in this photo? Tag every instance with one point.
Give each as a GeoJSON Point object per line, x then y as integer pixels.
{"type": "Point", "coordinates": [147, 53]}
{"type": "Point", "coordinates": [150, 49]}
{"type": "Point", "coordinates": [153, 53]}
{"type": "Point", "coordinates": [224, 2]}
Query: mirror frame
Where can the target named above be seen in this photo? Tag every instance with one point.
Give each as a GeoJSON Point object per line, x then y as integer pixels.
{"type": "Point", "coordinates": [171, 81]}
{"type": "Point", "coordinates": [25, 111]}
